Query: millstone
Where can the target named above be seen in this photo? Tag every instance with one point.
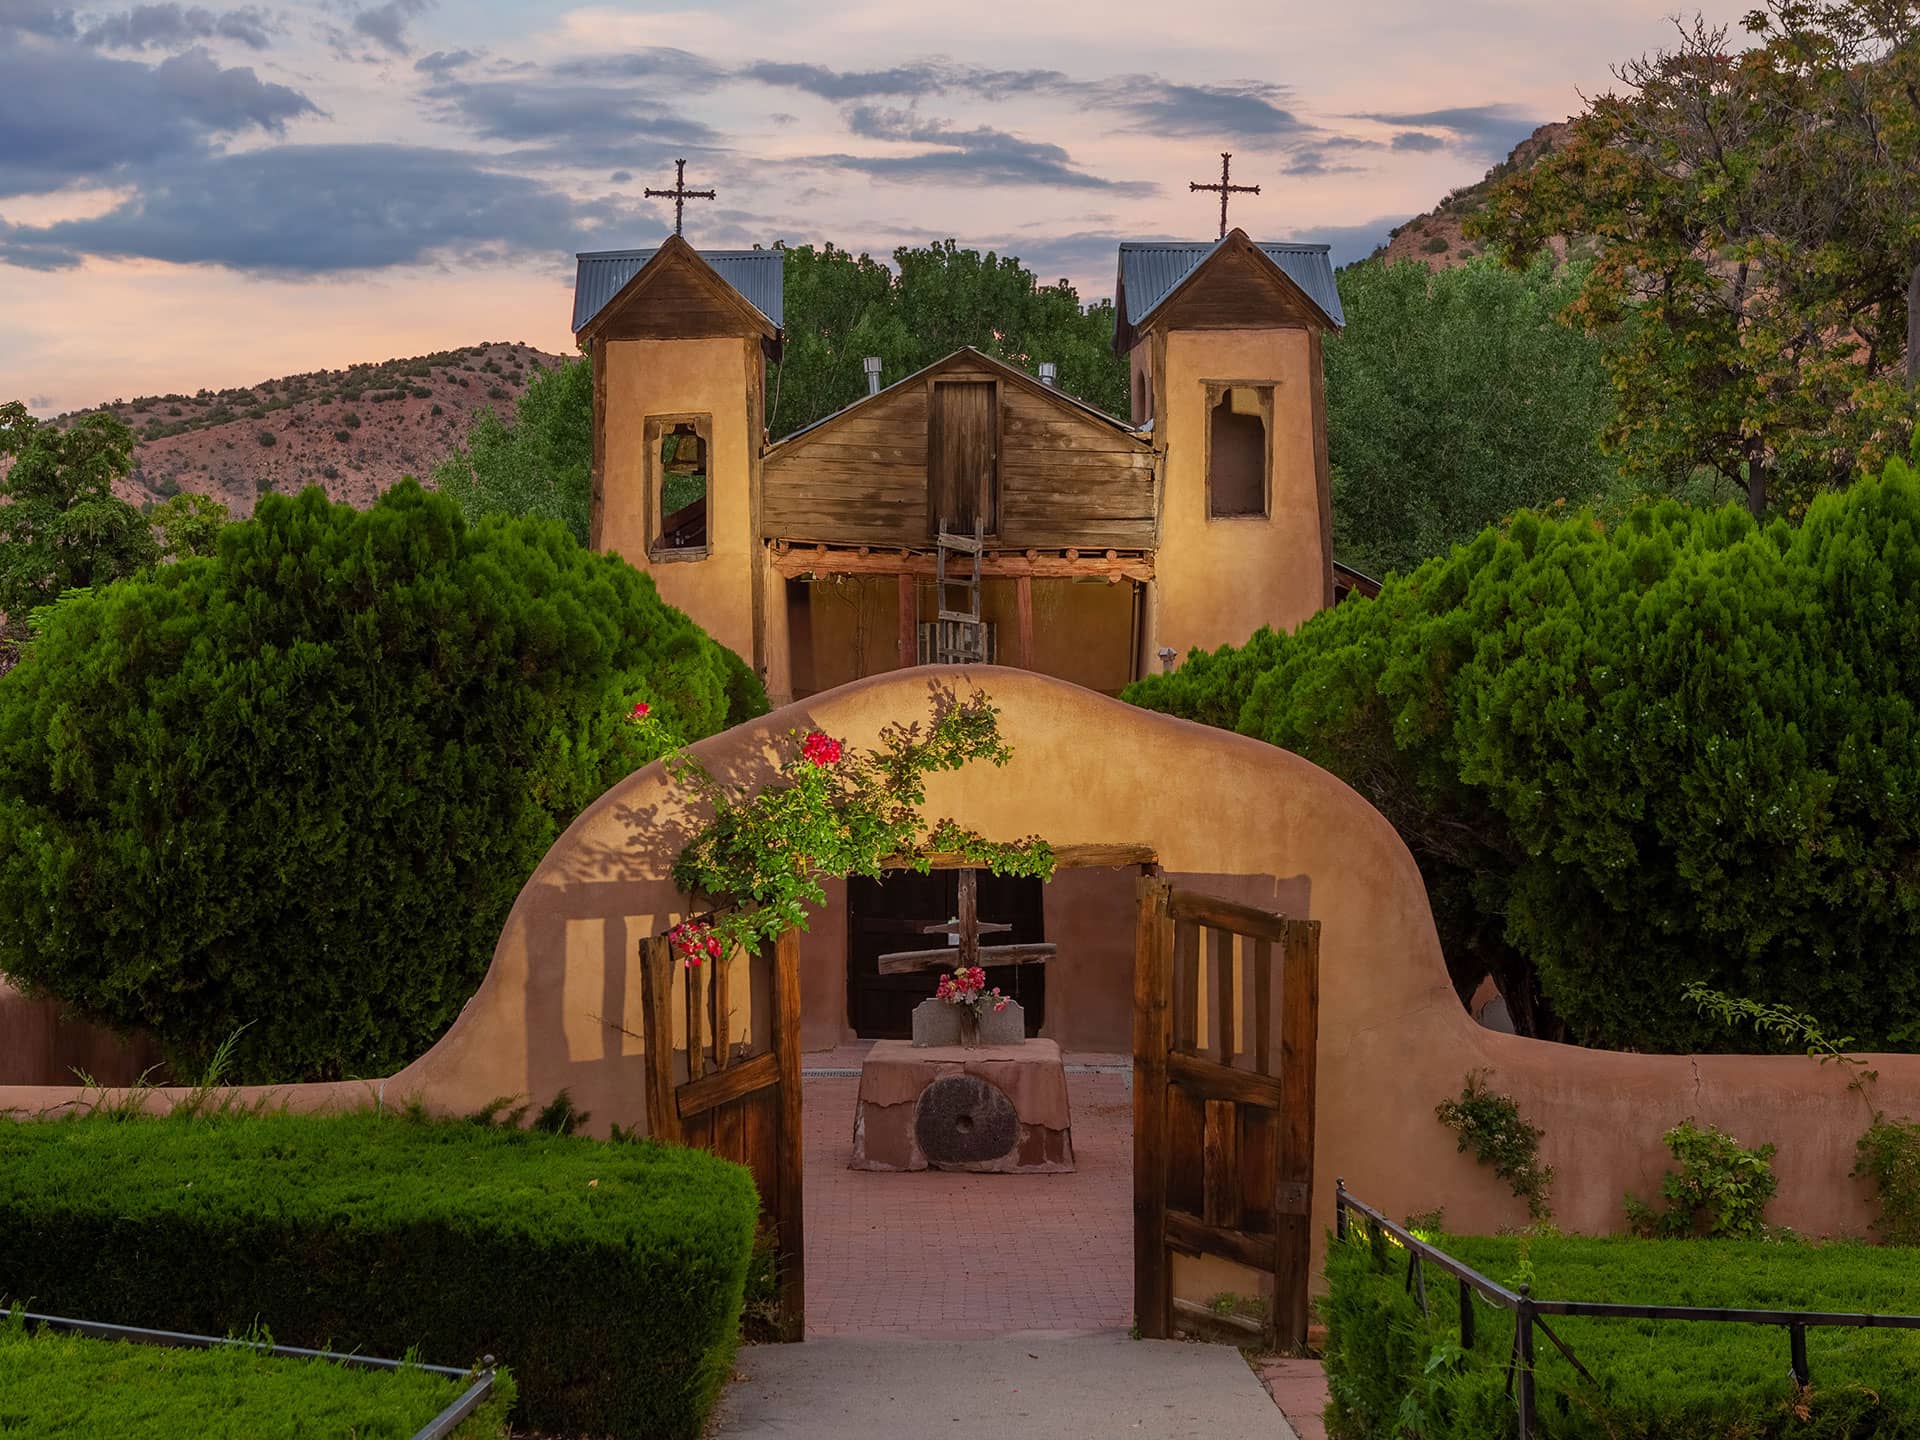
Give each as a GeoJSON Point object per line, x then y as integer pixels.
{"type": "Point", "coordinates": [962, 1119]}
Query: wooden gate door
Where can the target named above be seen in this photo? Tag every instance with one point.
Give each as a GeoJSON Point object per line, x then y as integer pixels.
{"type": "Point", "coordinates": [962, 438]}
{"type": "Point", "coordinates": [1222, 1099]}
{"type": "Point", "coordinates": [714, 1090]}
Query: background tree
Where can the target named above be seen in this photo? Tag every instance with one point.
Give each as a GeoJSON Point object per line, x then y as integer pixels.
{"type": "Point", "coordinates": [540, 465]}
{"type": "Point", "coordinates": [1455, 398]}
{"type": "Point", "coordinates": [188, 524]}
{"type": "Point", "coordinates": [61, 526]}
{"type": "Point", "coordinates": [296, 786]}
{"type": "Point", "coordinates": [841, 308]}
{"type": "Point", "coordinates": [1757, 220]}
{"type": "Point", "coordinates": [1683, 747]}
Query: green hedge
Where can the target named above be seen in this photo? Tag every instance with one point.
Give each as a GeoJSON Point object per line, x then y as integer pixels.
{"type": "Point", "coordinates": [291, 790]}
{"type": "Point", "coordinates": [60, 1386]}
{"type": "Point", "coordinates": [608, 1278]}
{"type": "Point", "coordinates": [1392, 1373]}
{"type": "Point", "coordinates": [1680, 747]}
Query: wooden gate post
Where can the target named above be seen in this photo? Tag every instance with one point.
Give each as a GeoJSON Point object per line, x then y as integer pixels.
{"type": "Point", "coordinates": [1152, 1038]}
{"type": "Point", "coordinates": [786, 1053]}
{"type": "Point", "coordinates": [1293, 1196]}
{"type": "Point", "coordinates": [656, 1025]}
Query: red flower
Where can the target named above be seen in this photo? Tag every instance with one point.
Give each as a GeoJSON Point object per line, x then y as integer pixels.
{"type": "Point", "coordinates": [820, 750]}
{"type": "Point", "coordinates": [640, 710]}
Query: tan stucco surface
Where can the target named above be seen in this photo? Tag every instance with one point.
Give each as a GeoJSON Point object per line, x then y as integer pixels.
{"type": "Point", "coordinates": [1227, 815]}
{"type": "Point", "coordinates": [678, 377]}
{"type": "Point", "coordinates": [1217, 581]}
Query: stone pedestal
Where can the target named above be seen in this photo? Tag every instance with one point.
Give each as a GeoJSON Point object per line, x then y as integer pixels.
{"type": "Point", "coordinates": [935, 1022]}
{"type": "Point", "coordinates": [994, 1108]}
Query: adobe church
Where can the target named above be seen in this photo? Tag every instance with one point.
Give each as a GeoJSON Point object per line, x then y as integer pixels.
{"type": "Point", "coordinates": [1087, 546]}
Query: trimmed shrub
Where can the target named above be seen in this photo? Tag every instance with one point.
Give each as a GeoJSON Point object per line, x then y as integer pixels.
{"type": "Point", "coordinates": [296, 786]}
{"type": "Point", "coordinates": [1680, 748]}
{"type": "Point", "coordinates": [608, 1278]}
{"type": "Point", "coordinates": [59, 1383]}
{"type": "Point", "coordinates": [1392, 1372]}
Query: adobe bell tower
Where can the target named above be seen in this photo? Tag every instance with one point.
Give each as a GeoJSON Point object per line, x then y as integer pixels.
{"type": "Point", "coordinates": [1224, 360]}
{"type": "Point", "coordinates": [679, 343]}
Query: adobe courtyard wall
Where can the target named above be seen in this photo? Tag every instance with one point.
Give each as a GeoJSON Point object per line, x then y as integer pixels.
{"type": "Point", "coordinates": [1226, 814]}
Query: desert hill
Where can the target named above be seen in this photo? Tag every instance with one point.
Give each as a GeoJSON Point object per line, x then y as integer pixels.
{"type": "Point", "coordinates": [1434, 239]}
{"type": "Point", "coordinates": [354, 431]}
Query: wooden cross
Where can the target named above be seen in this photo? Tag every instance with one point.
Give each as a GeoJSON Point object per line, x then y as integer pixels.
{"type": "Point", "coordinates": [969, 927]}
{"type": "Point", "coordinates": [1226, 159]}
{"type": "Point", "coordinates": [679, 194]}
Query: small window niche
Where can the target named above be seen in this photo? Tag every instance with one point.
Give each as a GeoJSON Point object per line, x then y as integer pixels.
{"type": "Point", "coordinates": [679, 448]}
{"type": "Point", "coordinates": [1239, 423]}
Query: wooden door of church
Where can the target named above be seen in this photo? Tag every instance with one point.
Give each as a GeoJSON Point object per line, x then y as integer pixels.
{"type": "Point", "coordinates": [737, 1097]}
{"type": "Point", "coordinates": [1222, 1099]}
{"type": "Point", "coordinates": [962, 462]}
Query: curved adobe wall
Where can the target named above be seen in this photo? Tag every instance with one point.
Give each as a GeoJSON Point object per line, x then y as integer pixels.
{"type": "Point", "coordinates": [1226, 814]}
{"type": "Point", "coordinates": [1229, 815]}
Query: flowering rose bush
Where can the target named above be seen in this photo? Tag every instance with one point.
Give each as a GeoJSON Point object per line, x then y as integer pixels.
{"type": "Point", "coordinates": [694, 941]}
{"type": "Point", "coordinates": [832, 812]}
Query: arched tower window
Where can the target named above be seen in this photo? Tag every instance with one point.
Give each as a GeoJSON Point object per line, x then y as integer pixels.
{"type": "Point", "coordinates": [1237, 425]}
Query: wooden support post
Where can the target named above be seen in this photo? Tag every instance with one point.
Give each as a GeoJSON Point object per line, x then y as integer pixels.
{"type": "Point", "coordinates": [1023, 601]}
{"type": "Point", "coordinates": [786, 1051]}
{"type": "Point", "coordinates": [656, 1004]}
{"type": "Point", "coordinates": [909, 623]}
{"type": "Point", "coordinates": [1293, 1205]}
{"type": "Point", "coordinates": [722, 1013]}
{"type": "Point", "coordinates": [1152, 1038]}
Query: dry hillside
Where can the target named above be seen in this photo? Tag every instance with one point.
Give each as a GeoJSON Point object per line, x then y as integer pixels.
{"type": "Point", "coordinates": [354, 431]}
{"type": "Point", "coordinates": [1434, 239]}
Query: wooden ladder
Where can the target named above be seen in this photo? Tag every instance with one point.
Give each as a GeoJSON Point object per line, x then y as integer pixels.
{"type": "Point", "coordinates": [959, 635]}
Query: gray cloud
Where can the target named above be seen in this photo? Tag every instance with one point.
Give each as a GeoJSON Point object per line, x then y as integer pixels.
{"type": "Point", "coordinates": [318, 209]}
{"type": "Point", "coordinates": [544, 110]}
{"type": "Point", "coordinates": [1246, 112]}
{"type": "Point", "coordinates": [442, 61]}
{"type": "Point", "coordinates": [1419, 140]}
{"type": "Point", "coordinates": [386, 25]}
{"type": "Point", "coordinates": [37, 17]}
{"type": "Point", "coordinates": [68, 114]}
{"type": "Point", "coordinates": [978, 156]}
{"type": "Point", "coordinates": [1350, 242]}
{"type": "Point", "coordinates": [171, 26]}
{"type": "Point", "coordinates": [1485, 130]}
{"type": "Point", "coordinates": [687, 70]}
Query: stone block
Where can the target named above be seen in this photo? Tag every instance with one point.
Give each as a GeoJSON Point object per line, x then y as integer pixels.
{"type": "Point", "coordinates": [937, 1023]}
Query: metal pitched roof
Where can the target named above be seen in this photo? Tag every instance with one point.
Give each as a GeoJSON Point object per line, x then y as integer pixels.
{"type": "Point", "coordinates": [756, 274]}
{"type": "Point", "coordinates": [1149, 271]}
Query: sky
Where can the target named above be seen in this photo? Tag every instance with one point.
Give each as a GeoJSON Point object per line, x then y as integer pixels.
{"type": "Point", "coordinates": [207, 195]}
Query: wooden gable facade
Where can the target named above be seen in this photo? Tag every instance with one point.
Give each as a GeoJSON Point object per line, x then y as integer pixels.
{"type": "Point", "coordinates": [968, 437]}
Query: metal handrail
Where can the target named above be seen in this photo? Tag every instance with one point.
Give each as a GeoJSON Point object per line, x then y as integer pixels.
{"type": "Point", "coordinates": [438, 1428]}
{"type": "Point", "coordinates": [1528, 1311]}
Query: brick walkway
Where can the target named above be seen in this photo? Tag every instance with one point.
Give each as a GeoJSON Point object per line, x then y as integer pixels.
{"type": "Point", "coordinates": [1299, 1388]}
{"type": "Point", "coordinates": [1021, 1252]}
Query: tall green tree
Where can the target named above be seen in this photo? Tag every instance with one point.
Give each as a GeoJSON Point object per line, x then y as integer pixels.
{"type": "Point", "coordinates": [1756, 214]}
{"type": "Point", "coordinates": [1455, 398]}
{"type": "Point", "coordinates": [61, 526]}
{"type": "Point", "coordinates": [188, 524]}
{"type": "Point", "coordinates": [541, 464]}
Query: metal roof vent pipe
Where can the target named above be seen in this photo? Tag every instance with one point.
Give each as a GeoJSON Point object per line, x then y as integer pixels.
{"type": "Point", "coordinates": [1049, 374]}
{"type": "Point", "coordinates": [872, 366]}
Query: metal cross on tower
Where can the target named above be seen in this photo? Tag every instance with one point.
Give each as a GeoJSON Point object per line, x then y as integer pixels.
{"type": "Point", "coordinates": [1226, 160]}
{"type": "Point", "coordinates": [679, 194]}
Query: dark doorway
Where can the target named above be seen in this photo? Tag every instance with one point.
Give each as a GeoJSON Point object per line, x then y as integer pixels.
{"type": "Point", "coordinates": [890, 914]}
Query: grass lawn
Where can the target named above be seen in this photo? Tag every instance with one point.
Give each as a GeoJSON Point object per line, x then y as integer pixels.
{"type": "Point", "coordinates": [62, 1386]}
{"type": "Point", "coordinates": [1388, 1366]}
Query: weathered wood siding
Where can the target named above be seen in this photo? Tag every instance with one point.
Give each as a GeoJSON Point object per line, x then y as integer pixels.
{"type": "Point", "coordinates": [1064, 479]}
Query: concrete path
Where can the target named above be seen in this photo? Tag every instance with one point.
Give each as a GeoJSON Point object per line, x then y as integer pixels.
{"type": "Point", "coordinates": [1075, 1387]}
